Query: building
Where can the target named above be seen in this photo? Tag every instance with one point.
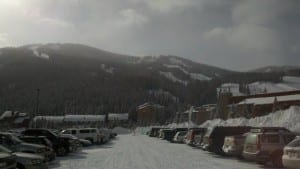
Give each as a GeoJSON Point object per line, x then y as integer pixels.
{"type": "Point", "coordinates": [14, 119]}
{"type": "Point", "coordinates": [258, 104]}
{"type": "Point", "coordinates": [149, 114]}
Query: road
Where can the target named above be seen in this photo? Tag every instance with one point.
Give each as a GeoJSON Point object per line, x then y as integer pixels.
{"type": "Point", "coordinates": [143, 152]}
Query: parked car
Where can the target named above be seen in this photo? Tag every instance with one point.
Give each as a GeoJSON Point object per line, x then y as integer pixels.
{"type": "Point", "coordinates": [214, 139]}
{"type": "Point", "coordinates": [13, 143]}
{"type": "Point", "coordinates": [105, 134]}
{"type": "Point", "coordinates": [234, 145]}
{"type": "Point", "coordinates": [154, 132]}
{"type": "Point", "coordinates": [264, 145]}
{"type": "Point", "coordinates": [7, 160]}
{"type": "Point", "coordinates": [191, 135]}
{"type": "Point", "coordinates": [61, 145]}
{"type": "Point", "coordinates": [41, 140]}
{"type": "Point", "coordinates": [179, 137]}
{"type": "Point", "coordinates": [291, 154]}
{"type": "Point", "coordinates": [92, 134]}
{"type": "Point", "coordinates": [26, 160]}
{"type": "Point", "coordinates": [73, 140]}
{"type": "Point", "coordinates": [85, 143]}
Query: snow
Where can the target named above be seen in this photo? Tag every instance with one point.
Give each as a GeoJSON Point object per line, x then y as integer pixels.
{"type": "Point", "coordinates": [178, 61]}
{"type": "Point", "coordinates": [171, 77]}
{"type": "Point", "coordinates": [289, 118]}
{"type": "Point", "coordinates": [289, 83]}
{"type": "Point", "coordinates": [195, 76]}
{"type": "Point", "coordinates": [8, 114]}
{"type": "Point", "coordinates": [112, 116]}
{"type": "Point", "coordinates": [74, 118]}
{"type": "Point", "coordinates": [270, 100]}
{"type": "Point", "coordinates": [198, 76]}
{"type": "Point", "coordinates": [177, 67]}
{"type": "Point", "coordinates": [107, 69]}
{"type": "Point", "coordinates": [234, 88]}
{"type": "Point", "coordinates": [37, 53]}
{"type": "Point", "coordinates": [143, 152]}
{"type": "Point", "coordinates": [50, 118]}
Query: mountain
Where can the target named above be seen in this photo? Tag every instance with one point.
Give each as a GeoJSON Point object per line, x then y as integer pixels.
{"type": "Point", "coordinates": [74, 78]}
{"type": "Point", "coordinates": [287, 70]}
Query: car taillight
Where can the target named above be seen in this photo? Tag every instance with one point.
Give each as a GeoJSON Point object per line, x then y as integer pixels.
{"type": "Point", "coordinates": [192, 136]}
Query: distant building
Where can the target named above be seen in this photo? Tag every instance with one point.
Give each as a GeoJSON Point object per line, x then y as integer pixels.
{"type": "Point", "coordinates": [14, 119]}
{"type": "Point", "coordinates": [149, 114]}
{"type": "Point", "coordinates": [256, 105]}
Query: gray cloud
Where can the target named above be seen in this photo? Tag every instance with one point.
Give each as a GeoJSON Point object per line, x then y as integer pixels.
{"type": "Point", "coordinates": [238, 35]}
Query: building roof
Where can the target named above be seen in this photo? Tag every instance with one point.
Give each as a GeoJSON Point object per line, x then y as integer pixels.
{"type": "Point", "coordinates": [270, 100]}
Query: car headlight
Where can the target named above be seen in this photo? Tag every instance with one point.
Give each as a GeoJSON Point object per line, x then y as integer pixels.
{"type": "Point", "coordinates": [36, 161]}
{"type": "Point", "coordinates": [3, 164]}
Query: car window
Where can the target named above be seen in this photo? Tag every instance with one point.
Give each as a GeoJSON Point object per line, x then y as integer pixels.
{"type": "Point", "coordinates": [73, 131]}
{"type": "Point", "coordinates": [84, 131]}
{"type": "Point", "coordinates": [251, 139]}
{"type": "Point", "coordinates": [288, 138]}
{"type": "Point", "coordinates": [295, 143]}
{"type": "Point", "coordinates": [270, 139]}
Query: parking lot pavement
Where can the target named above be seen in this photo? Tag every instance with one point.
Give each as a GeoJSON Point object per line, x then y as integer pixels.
{"type": "Point", "coordinates": [143, 152]}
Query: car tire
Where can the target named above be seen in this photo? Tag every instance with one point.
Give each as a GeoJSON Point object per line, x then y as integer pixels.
{"type": "Point", "coordinates": [20, 166]}
{"type": "Point", "coordinates": [277, 159]}
{"type": "Point", "coordinates": [61, 151]}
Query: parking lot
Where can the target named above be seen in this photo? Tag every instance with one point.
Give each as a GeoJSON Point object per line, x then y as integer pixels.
{"type": "Point", "coordinates": [142, 152]}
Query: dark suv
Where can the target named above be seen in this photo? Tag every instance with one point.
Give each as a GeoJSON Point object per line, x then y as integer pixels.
{"type": "Point", "coordinates": [61, 145]}
{"type": "Point", "coordinates": [266, 144]}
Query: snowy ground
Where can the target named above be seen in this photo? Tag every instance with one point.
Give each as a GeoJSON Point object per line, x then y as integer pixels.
{"type": "Point", "coordinates": [143, 152]}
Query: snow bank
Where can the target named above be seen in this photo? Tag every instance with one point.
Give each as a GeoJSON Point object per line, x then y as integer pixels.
{"type": "Point", "coordinates": [289, 118]}
{"type": "Point", "coordinates": [121, 130]}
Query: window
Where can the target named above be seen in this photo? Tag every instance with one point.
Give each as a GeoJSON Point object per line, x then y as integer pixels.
{"type": "Point", "coordinates": [84, 131]}
{"type": "Point", "coordinates": [270, 139]}
{"type": "Point", "coordinates": [288, 138]}
{"type": "Point", "coordinates": [74, 132]}
{"type": "Point", "coordinates": [295, 143]}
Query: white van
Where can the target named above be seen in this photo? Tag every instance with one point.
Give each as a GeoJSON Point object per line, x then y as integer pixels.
{"type": "Point", "coordinates": [92, 134]}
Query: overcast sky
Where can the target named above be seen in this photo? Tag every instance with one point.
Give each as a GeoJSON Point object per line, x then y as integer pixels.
{"type": "Point", "coordinates": [233, 34]}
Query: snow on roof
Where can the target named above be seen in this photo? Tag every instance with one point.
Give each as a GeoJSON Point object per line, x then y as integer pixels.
{"type": "Point", "coordinates": [270, 100]}
{"type": "Point", "coordinates": [20, 120]}
{"type": "Point", "coordinates": [8, 114]}
{"type": "Point", "coordinates": [50, 118]}
{"type": "Point", "coordinates": [73, 118]}
{"type": "Point", "coordinates": [118, 116]}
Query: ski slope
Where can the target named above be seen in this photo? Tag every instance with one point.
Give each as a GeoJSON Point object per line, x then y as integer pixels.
{"type": "Point", "coordinates": [143, 152]}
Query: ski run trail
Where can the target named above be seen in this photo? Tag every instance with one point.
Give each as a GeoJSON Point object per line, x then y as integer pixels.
{"type": "Point", "coordinates": [143, 152]}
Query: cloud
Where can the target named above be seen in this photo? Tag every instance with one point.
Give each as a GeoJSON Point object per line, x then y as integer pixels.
{"type": "Point", "coordinates": [237, 35]}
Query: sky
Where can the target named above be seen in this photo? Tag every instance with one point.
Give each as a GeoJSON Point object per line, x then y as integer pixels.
{"type": "Point", "coordinates": [233, 34]}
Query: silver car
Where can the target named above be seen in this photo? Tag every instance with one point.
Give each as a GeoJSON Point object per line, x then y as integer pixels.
{"type": "Point", "coordinates": [27, 160]}
{"type": "Point", "coordinates": [13, 143]}
{"type": "Point", "coordinates": [179, 136]}
{"type": "Point", "coordinates": [291, 156]}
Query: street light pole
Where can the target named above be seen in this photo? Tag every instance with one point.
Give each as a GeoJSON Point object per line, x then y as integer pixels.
{"type": "Point", "coordinates": [37, 104]}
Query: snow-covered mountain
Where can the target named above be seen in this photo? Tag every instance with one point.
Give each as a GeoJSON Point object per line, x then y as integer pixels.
{"type": "Point", "coordinates": [75, 78]}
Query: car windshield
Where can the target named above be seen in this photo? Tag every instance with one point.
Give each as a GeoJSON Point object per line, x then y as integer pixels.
{"type": "Point", "coordinates": [4, 149]}
{"type": "Point", "coordinates": [295, 143]}
{"type": "Point", "coordinates": [15, 139]}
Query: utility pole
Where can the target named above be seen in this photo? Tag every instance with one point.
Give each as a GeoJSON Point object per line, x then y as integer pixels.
{"type": "Point", "coordinates": [37, 105]}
